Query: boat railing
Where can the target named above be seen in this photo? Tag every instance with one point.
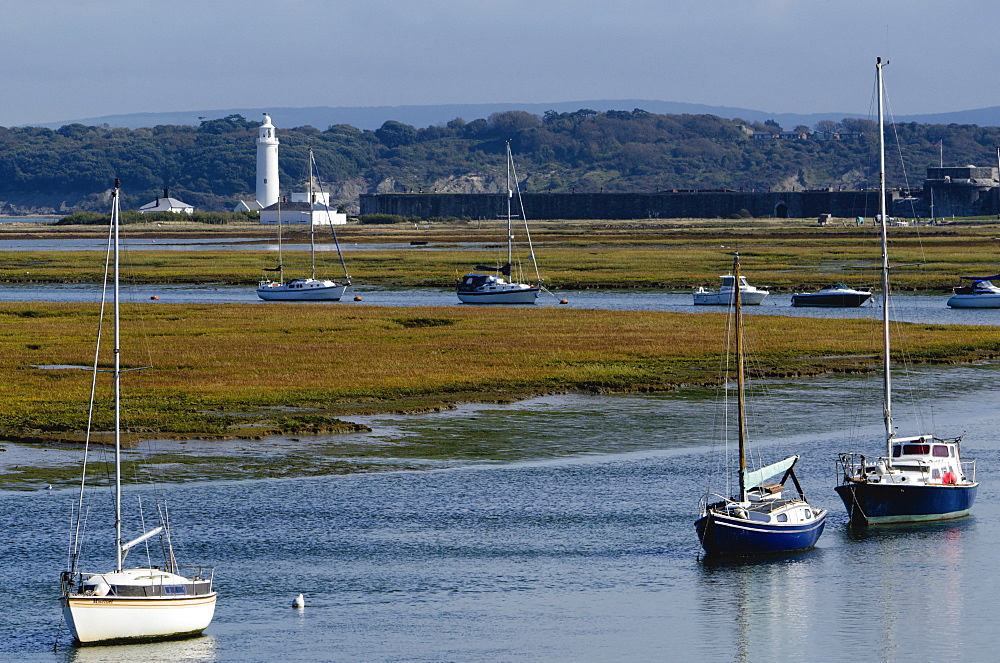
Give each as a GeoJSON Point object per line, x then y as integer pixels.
{"type": "Point", "coordinates": [969, 469]}
{"type": "Point", "coordinates": [712, 500]}
{"type": "Point", "coordinates": [853, 465]}
{"type": "Point", "coordinates": [72, 582]}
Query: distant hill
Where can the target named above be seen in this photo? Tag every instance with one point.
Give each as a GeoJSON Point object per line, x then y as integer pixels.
{"type": "Point", "coordinates": [372, 117]}
{"type": "Point", "coordinates": [212, 164]}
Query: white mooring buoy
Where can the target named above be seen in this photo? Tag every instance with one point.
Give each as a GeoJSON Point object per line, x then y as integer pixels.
{"type": "Point", "coordinates": [299, 602]}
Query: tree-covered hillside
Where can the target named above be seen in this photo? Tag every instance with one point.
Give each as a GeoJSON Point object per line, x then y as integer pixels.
{"type": "Point", "coordinates": [212, 166]}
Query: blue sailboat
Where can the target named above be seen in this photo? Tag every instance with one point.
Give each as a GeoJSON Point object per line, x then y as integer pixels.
{"type": "Point", "coordinates": [764, 518]}
{"type": "Point", "coordinates": [922, 477]}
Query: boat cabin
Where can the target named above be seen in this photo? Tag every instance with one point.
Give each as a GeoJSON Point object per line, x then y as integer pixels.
{"type": "Point", "coordinates": [982, 287]}
{"type": "Point", "coordinates": [473, 281]}
{"type": "Point", "coordinates": [919, 460]}
{"type": "Point", "coordinates": [727, 282]}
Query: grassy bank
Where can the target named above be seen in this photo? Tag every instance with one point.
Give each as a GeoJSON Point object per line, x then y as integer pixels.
{"type": "Point", "coordinates": [232, 370]}
{"type": "Point", "coordinates": [573, 255]}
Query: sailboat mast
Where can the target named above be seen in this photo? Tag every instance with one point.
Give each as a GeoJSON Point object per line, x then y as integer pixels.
{"type": "Point", "coordinates": [740, 404]}
{"type": "Point", "coordinates": [312, 227]}
{"type": "Point", "coordinates": [510, 194]}
{"type": "Point", "coordinates": [115, 212]}
{"type": "Point", "coordinates": [886, 364]}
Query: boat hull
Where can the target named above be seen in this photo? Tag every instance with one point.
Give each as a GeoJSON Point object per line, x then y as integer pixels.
{"type": "Point", "coordinates": [521, 296]}
{"type": "Point", "coordinates": [331, 293]}
{"type": "Point", "coordinates": [106, 619]}
{"type": "Point", "coordinates": [878, 503]}
{"type": "Point", "coordinates": [831, 300]}
{"type": "Point", "coordinates": [974, 301]}
{"type": "Point", "coordinates": [726, 298]}
{"type": "Point", "coordinates": [725, 536]}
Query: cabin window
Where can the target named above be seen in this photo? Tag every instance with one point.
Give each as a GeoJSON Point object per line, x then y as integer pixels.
{"type": "Point", "coordinates": [809, 514]}
{"type": "Point", "coordinates": [782, 518]}
{"type": "Point", "coordinates": [940, 451]}
{"type": "Point", "coordinates": [896, 450]}
{"type": "Point", "coordinates": [174, 590]}
{"type": "Point", "coordinates": [916, 449]}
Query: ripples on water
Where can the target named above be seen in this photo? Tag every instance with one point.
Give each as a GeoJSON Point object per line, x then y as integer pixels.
{"type": "Point", "coordinates": [928, 309]}
{"type": "Point", "coordinates": [587, 553]}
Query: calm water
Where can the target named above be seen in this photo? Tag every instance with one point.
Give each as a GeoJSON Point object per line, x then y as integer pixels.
{"type": "Point", "coordinates": [574, 541]}
{"type": "Point", "coordinates": [929, 309]}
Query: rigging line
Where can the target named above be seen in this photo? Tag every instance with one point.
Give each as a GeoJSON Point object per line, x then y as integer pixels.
{"type": "Point", "coordinates": [319, 182]}
{"type": "Point", "coordinates": [524, 217]}
{"type": "Point", "coordinates": [90, 410]}
{"type": "Point", "coordinates": [902, 165]}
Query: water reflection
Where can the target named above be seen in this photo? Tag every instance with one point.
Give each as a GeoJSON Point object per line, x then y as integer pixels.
{"type": "Point", "coordinates": [193, 649]}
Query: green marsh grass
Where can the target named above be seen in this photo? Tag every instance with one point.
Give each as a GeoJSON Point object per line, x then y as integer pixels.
{"type": "Point", "coordinates": [572, 255]}
{"type": "Point", "coordinates": [220, 371]}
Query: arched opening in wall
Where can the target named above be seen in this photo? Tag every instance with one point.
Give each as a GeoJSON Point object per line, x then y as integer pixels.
{"type": "Point", "coordinates": [781, 211]}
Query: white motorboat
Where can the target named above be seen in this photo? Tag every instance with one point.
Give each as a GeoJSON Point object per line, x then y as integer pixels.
{"type": "Point", "coordinates": [750, 295]}
{"type": "Point", "coordinates": [981, 293]}
{"type": "Point", "coordinates": [305, 289]}
{"type": "Point", "coordinates": [139, 603]}
{"type": "Point", "coordinates": [921, 477]}
{"type": "Point", "coordinates": [493, 288]}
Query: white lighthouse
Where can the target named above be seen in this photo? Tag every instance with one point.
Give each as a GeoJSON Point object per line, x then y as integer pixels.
{"type": "Point", "coordinates": [267, 164]}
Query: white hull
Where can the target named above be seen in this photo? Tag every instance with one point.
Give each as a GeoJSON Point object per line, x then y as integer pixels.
{"type": "Point", "coordinates": [974, 301]}
{"type": "Point", "coordinates": [525, 295]}
{"type": "Point", "coordinates": [726, 298]}
{"type": "Point", "coordinates": [95, 619]}
{"type": "Point", "coordinates": [310, 291]}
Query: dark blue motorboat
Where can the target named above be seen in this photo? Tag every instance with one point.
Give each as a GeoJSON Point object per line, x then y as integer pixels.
{"type": "Point", "coordinates": [922, 477]}
{"type": "Point", "coordinates": [764, 518]}
{"type": "Point", "coordinates": [832, 296]}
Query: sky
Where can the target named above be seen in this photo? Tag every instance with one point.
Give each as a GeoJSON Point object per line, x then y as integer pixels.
{"type": "Point", "coordinates": [71, 59]}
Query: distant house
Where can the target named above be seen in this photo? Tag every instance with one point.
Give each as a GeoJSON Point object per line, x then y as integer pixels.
{"type": "Point", "coordinates": [167, 204]}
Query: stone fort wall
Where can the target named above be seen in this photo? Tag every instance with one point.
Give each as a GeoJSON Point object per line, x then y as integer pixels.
{"type": "Point", "coordinates": [667, 205]}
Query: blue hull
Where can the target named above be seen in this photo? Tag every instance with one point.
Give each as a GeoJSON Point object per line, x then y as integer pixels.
{"type": "Point", "coordinates": [724, 536]}
{"type": "Point", "coordinates": [849, 300]}
{"type": "Point", "coordinates": [875, 503]}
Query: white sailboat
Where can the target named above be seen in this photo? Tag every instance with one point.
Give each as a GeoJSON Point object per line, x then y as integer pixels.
{"type": "Point", "coordinates": [493, 288]}
{"type": "Point", "coordinates": [921, 477]}
{"type": "Point", "coordinates": [311, 288]}
{"type": "Point", "coordinates": [139, 603]}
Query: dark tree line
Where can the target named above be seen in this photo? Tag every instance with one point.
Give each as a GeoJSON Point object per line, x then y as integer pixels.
{"type": "Point", "coordinates": [213, 165]}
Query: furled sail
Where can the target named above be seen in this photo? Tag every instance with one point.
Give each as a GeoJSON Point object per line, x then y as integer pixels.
{"type": "Point", "coordinates": [757, 477]}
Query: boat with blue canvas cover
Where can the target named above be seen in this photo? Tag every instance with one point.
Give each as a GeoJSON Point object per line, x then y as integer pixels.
{"type": "Point", "coordinates": [763, 518]}
{"type": "Point", "coordinates": [921, 477]}
{"type": "Point", "coordinates": [980, 293]}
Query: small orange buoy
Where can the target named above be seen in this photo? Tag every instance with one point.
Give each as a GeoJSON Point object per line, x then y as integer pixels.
{"type": "Point", "coordinates": [357, 298]}
{"type": "Point", "coordinates": [564, 301]}
{"type": "Point", "coordinates": [154, 297]}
